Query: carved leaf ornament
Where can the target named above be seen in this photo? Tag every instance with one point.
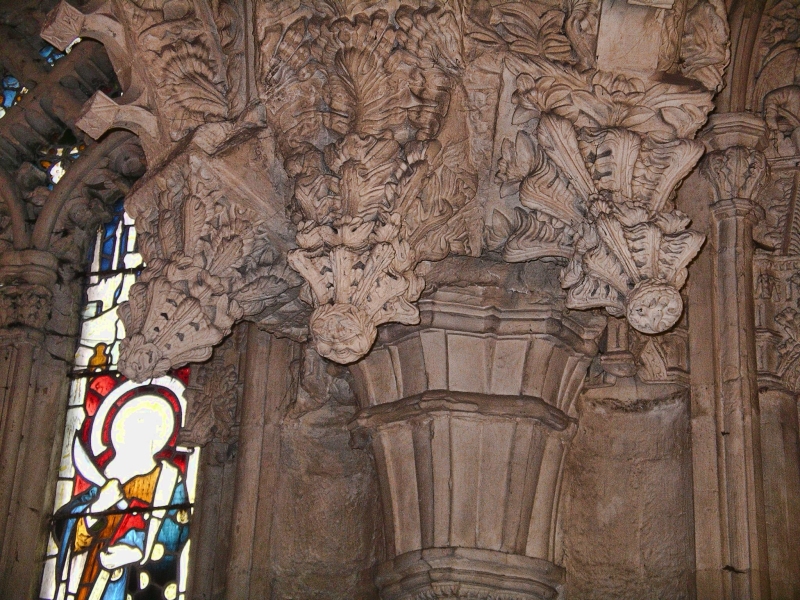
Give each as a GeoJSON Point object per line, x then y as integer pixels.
{"type": "Point", "coordinates": [595, 163]}
{"type": "Point", "coordinates": [380, 171]}
{"type": "Point", "coordinates": [369, 110]}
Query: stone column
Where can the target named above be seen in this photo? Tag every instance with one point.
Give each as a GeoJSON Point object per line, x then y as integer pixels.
{"type": "Point", "coordinates": [33, 388]}
{"type": "Point", "coordinates": [269, 379]}
{"type": "Point", "coordinates": [469, 417]}
{"type": "Point", "coordinates": [736, 174]}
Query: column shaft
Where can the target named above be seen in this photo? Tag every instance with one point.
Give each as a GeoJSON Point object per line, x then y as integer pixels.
{"type": "Point", "coordinates": [741, 477]}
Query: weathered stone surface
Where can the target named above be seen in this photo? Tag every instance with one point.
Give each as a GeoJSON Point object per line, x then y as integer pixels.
{"type": "Point", "coordinates": [476, 206]}
{"type": "Point", "coordinates": [627, 496]}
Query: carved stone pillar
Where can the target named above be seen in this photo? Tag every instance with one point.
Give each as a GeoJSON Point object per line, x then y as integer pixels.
{"type": "Point", "coordinates": [469, 420]}
{"type": "Point", "coordinates": [32, 387]}
{"type": "Point", "coordinates": [736, 174]}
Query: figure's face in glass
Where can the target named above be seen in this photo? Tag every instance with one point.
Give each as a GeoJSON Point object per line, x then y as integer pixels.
{"type": "Point", "coordinates": [142, 426]}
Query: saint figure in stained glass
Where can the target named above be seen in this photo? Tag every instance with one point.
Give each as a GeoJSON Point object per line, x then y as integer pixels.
{"type": "Point", "coordinates": [111, 539]}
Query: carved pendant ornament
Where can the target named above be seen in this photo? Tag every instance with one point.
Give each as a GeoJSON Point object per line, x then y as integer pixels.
{"type": "Point", "coordinates": [595, 163]}
{"type": "Point", "coordinates": [372, 113]}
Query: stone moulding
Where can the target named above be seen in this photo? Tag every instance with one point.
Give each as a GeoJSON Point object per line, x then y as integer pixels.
{"type": "Point", "coordinates": [469, 415]}
{"type": "Point", "coordinates": [433, 401]}
{"type": "Point", "coordinates": [468, 573]}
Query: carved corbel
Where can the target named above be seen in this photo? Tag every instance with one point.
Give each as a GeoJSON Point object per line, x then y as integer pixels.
{"type": "Point", "coordinates": [210, 263]}
{"type": "Point", "coordinates": [382, 178]}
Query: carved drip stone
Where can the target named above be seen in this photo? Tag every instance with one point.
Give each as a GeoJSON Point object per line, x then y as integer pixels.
{"type": "Point", "coordinates": [469, 416]}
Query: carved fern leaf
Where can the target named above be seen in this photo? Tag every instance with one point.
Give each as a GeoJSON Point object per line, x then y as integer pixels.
{"type": "Point", "coordinates": [557, 136]}
{"type": "Point", "coordinates": [193, 86]}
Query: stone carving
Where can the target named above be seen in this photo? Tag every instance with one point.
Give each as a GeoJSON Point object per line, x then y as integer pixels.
{"type": "Point", "coordinates": [371, 117]}
{"type": "Point", "coordinates": [778, 50]}
{"type": "Point", "coordinates": [214, 397]}
{"type": "Point", "coordinates": [782, 115]}
{"type": "Point", "coordinates": [777, 305]}
{"type": "Point", "coordinates": [209, 263]}
{"type": "Point", "coordinates": [24, 304]}
{"type": "Point", "coordinates": [595, 163]}
{"type": "Point", "coordinates": [737, 172]}
{"type": "Point", "coordinates": [704, 45]}
{"type": "Point", "coordinates": [382, 177]}
{"type": "Point", "coordinates": [184, 43]}
{"type": "Point", "coordinates": [789, 349]}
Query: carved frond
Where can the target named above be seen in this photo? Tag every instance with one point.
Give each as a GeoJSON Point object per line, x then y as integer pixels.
{"type": "Point", "coordinates": [592, 292]}
{"type": "Point", "coordinates": [534, 235]}
{"type": "Point", "coordinates": [675, 254]}
{"type": "Point", "coordinates": [660, 168]}
{"type": "Point", "coordinates": [612, 154]}
{"type": "Point", "coordinates": [557, 136]}
{"type": "Point", "coordinates": [193, 86]}
{"type": "Point", "coordinates": [366, 91]}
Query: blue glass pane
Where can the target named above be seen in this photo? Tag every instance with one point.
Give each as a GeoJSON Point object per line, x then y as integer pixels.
{"type": "Point", "coordinates": [9, 98]}
{"type": "Point", "coordinates": [51, 54]}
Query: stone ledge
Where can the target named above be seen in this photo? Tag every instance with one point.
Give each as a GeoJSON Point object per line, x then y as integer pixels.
{"type": "Point", "coordinates": [435, 401]}
{"type": "Point", "coordinates": [468, 573]}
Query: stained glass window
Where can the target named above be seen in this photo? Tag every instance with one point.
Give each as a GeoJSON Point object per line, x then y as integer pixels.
{"type": "Point", "coordinates": [11, 91]}
{"type": "Point", "coordinates": [56, 158]}
{"type": "Point", "coordinates": [125, 491]}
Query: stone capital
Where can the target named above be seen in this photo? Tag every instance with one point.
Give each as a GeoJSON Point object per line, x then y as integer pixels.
{"type": "Point", "coordinates": [26, 281]}
{"type": "Point", "coordinates": [737, 208]}
{"type": "Point", "coordinates": [737, 172]}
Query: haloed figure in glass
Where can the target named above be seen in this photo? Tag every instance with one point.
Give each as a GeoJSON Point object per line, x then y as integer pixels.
{"type": "Point", "coordinates": [113, 538]}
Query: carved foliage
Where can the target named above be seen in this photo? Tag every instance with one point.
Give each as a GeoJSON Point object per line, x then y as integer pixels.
{"type": "Point", "coordinates": [736, 172]}
{"type": "Point", "coordinates": [213, 397]}
{"type": "Point", "coordinates": [209, 264]}
{"type": "Point", "coordinates": [380, 163]}
{"type": "Point", "coordinates": [595, 176]}
{"type": "Point", "coordinates": [28, 305]}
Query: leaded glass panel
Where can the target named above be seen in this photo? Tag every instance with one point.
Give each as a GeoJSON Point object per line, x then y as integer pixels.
{"type": "Point", "coordinates": [125, 490]}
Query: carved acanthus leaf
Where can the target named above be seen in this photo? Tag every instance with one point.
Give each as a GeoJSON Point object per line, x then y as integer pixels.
{"type": "Point", "coordinates": [596, 180]}
{"type": "Point", "coordinates": [380, 163]}
{"type": "Point", "coordinates": [209, 264]}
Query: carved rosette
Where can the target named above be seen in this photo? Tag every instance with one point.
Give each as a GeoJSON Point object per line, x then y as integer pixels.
{"type": "Point", "coordinates": [379, 161]}
{"type": "Point", "coordinates": [595, 164]}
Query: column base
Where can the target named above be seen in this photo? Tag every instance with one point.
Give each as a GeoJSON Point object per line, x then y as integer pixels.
{"type": "Point", "coordinates": [471, 573]}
